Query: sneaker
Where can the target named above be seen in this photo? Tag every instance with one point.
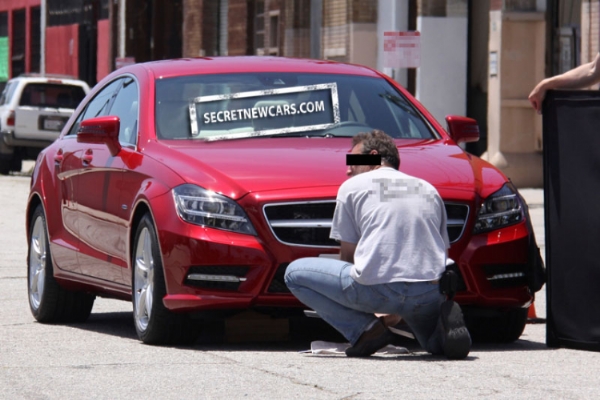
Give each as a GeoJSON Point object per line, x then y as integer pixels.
{"type": "Point", "coordinates": [373, 339]}
{"type": "Point", "coordinates": [456, 340]}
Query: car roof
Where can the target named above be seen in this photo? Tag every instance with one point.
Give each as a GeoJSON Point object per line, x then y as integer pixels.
{"type": "Point", "coordinates": [243, 64]}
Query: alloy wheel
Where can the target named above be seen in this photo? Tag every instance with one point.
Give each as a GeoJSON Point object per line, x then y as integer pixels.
{"type": "Point", "coordinates": [144, 279]}
{"type": "Point", "coordinates": [37, 263]}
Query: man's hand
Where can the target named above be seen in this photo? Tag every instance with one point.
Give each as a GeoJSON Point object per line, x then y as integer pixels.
{"type": "Point", "coordinates": [580, 77]}
{"type": "Point", "coordinates": [536, 97]}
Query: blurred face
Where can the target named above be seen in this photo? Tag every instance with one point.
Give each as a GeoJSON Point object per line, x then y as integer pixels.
{"type": "Point", "coordinates": [359, 169]}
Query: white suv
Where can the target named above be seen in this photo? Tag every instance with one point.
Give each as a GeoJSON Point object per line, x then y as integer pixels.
{"type": "Point", "coordinates": [33, 110]}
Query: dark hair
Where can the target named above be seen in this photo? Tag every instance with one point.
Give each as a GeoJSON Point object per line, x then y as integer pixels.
{"type": "Point", "coordinates": [380, 141]}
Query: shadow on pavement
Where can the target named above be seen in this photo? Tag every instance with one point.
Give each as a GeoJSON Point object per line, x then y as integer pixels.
{"type": "Point", "coordinates": [222, 334]}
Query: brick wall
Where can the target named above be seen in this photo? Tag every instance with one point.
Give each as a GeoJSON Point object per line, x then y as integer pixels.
{"type": "Point", "coordinates": [238, 27]}
{"type": "Point", "coordinates": [192, 32]}
{"type": "Point", "coordinates": [296, 29]}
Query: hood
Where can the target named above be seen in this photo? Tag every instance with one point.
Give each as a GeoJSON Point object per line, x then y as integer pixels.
{"type": "Point", "coordinates": [237, 167]}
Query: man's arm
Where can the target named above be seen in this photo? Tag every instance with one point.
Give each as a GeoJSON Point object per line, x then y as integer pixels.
{"type": "Point", "coordinates": [577, 78]}
{"type": "Point", "coordinates": [347, 251]}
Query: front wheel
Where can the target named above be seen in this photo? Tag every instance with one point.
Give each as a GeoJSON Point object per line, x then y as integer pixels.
{"type": "Point", "coordinates": [154, 323]}
{"type": "Point", "coordinates": [5, 165]}
{"type": "Point", "coordinates": [503, 328]}
{"type": "Point", "coordinates": [48, 301]}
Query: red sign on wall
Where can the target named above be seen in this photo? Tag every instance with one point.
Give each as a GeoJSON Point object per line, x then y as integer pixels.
{"type": "Point", "coordinates": [402, 49]}
{"type": "Point", "coordinates": [124, 61]}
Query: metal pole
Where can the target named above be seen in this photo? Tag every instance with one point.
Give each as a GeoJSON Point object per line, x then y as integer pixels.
{"type": "Point", "coordinates": [43, 37]}
{"type": "Point", "coordinates": [122, 7]}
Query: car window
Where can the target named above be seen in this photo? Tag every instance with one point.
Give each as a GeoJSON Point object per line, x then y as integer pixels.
{"type": "Point", "coordinates": [8, 91]}
{"type": "Point", "coordinates": [51, 95]}
{"type": "Point", "coordinates": [214, 107]}
{"type": "Point", "coordinates": [98, 106]}
{"type": "Point", "coordinates": [125, 107]}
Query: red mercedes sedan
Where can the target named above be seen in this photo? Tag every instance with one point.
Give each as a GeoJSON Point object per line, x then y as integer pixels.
{"type": "Point", "coordinates": [187, 186]}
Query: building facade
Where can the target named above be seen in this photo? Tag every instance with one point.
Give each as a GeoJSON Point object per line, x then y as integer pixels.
{"type": "Point", "coordinates": [20, 37]}
{"type": "Point", "coordinates": [479, 58]}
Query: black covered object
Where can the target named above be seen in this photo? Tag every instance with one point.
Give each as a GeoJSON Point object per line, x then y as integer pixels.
{"type": "Point", "coordinates": [572, 215]}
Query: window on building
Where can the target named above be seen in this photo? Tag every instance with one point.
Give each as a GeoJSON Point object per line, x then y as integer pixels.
{"type": "Point", "coordinates": [274, 32]}
{"type": "Point", "coordinates": [35, 43]}
{"type": "Point", "coordinates": [259, 28]}
{"type": "Point", "coordinates": [18, 42]}
{"type": "Point", "coordinates": [266, 29]}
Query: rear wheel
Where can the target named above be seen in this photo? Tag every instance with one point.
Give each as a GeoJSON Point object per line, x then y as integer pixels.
{"type": "Point", "coordinates": [504, 328]}
{"type": "Point", "coordinates": [48, 301]}
{"type": "Point", "coordinates": [154, 323]}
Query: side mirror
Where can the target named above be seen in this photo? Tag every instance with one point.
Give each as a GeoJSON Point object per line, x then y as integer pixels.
{"type": "Point", "coordinates": [462, 129]}
{"type": "Point", "coordinates": [101, 130]}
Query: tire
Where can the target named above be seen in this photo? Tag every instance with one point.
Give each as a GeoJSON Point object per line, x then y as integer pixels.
{"type": "Point", "coordinates": [5, 164]}
{"type": "Point", "coordinates": [10, 163]}
{"type": "Point", "coordinates": [48, 301]}
{"type": "Point", "coordinates": [154, 323]}
{"type": "Point", "coordinates": [16, 164]}
{"type": "Point", "coordinates": [504, 328]}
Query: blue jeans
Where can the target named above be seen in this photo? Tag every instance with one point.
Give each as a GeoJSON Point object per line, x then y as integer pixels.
{"type": "Point", "coordinates": [325, 285]}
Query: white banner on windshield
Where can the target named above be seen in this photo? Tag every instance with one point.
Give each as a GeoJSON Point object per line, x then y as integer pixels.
{"type": "Point", "coordinates": [265, 112]}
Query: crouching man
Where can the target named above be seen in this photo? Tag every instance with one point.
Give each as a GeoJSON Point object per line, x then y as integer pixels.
{"type": "Point", "coordinates": [392, 232]}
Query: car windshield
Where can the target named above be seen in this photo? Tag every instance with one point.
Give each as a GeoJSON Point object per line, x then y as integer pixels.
{"type": "Point", "coordinates": [51, 95]}
{"type": "Point", "coordinates": [218, 107]}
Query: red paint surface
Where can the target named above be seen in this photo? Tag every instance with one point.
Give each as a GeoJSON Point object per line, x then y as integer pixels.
{"type": "Point", "coordinates": [62, 50]}
{"type": "Point", "coordinates": [16, 4]}
{"type": "Point", "coordinates": [103, 56]}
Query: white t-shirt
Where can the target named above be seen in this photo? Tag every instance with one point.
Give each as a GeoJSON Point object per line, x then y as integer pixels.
{"type": "Point", "coordinates": [398, 223]}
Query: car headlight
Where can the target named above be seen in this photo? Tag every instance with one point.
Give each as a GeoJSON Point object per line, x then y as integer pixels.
{"type": "Point", "coordinates": [500, 209]}
{"type": "Point", "coordinates": [204, 207]}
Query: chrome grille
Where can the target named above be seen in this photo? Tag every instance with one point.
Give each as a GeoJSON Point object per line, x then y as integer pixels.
{"type": "Point", "coordinates": [302, 224]}
{"type": "Point", "coordinates": [309, 223]}
{"type": "Point", "coordinates": [458, 215]}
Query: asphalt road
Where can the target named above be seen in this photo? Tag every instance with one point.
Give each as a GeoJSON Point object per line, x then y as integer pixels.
{"type": "Point", "coordinates": [102, 359]}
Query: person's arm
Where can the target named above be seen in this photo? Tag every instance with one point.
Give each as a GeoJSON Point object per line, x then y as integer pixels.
{"type": "Point", "coordinates": [347, 251]}
{"type": "Point", "coordinates": [577, 78]}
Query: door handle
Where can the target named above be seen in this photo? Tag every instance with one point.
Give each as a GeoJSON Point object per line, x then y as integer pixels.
{"type": "Point", "coordinates": [59, 157]}
{"type": "Point", "coordinates": [88, 157]}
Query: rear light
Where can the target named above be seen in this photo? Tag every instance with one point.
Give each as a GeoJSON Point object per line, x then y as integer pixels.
{"type": "Point", "coordinates": [58, 81]}
{"type": "Point", "coordinates": [10, 120]}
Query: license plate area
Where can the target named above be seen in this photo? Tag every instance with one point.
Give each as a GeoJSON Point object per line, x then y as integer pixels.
{"type": "Point", "coordinates": [51, 123]}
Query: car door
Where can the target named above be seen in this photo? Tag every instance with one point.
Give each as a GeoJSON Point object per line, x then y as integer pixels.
{"type": "Point", "coordinates": [64, 239]}
{"type": "Point", "coordinates": [68, 163]}
{"type": "Point", "coordinates": [78, 171]}
{"type": "Point", "coordinates": [103, 218]}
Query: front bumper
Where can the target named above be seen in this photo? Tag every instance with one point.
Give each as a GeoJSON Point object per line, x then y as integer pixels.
{"type": "Point", "coordinates": [494, 268]}
{"type": "Point", "coordinates": [248, 270]}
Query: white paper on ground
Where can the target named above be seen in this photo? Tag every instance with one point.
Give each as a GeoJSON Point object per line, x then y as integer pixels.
{"type": "Point", "coordinates": [321, 347]}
